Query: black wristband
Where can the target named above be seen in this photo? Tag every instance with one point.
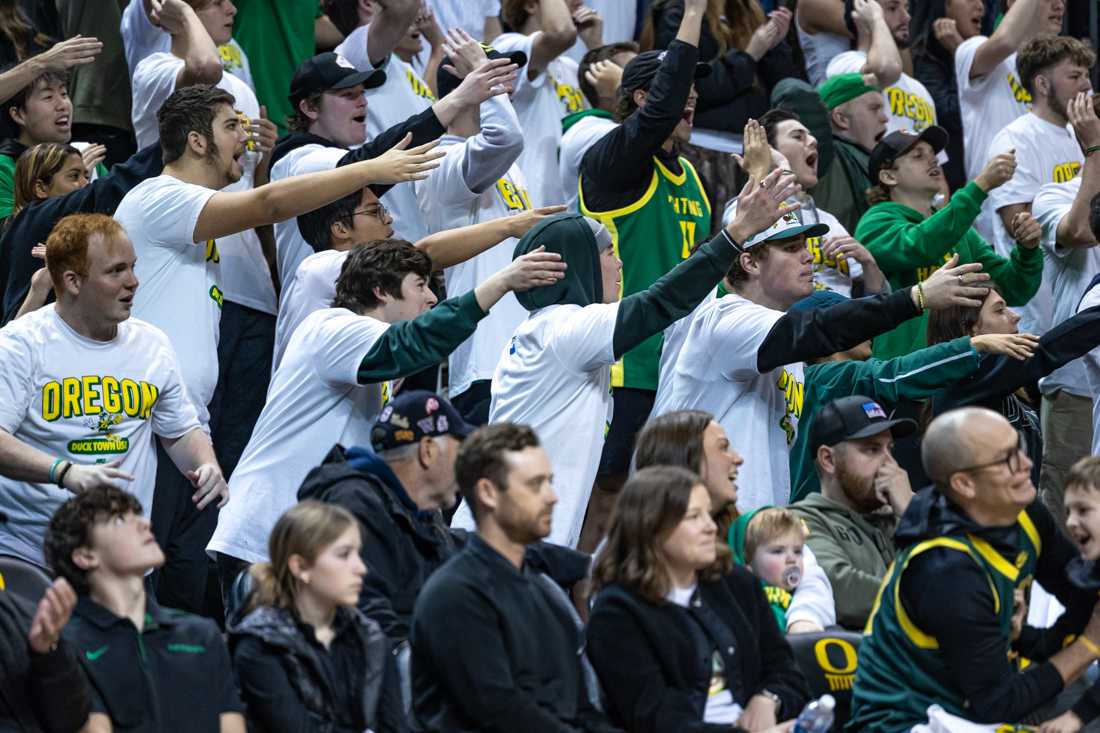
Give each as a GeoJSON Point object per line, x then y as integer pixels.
{"type": "Point", "coordinates": [64, 471]}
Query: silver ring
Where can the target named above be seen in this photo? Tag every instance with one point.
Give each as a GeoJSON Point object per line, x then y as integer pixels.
{"type": "Point", "coordinates": [961, 281]}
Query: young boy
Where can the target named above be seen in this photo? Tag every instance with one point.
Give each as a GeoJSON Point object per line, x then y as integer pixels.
{"type": "Point", "coordinates": [769, 542]}
{"type": "Point", "coordinates": [150, 668]}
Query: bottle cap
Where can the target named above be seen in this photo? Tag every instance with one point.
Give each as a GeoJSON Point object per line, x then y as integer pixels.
{"type": "Point", "coordinates": [828, 702]}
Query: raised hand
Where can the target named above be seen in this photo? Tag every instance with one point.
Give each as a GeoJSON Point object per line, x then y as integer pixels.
{"type": "Point", "coordinates": [170, 15]}
{"type": "Point", "coordinates": [496, 76]}
{"type": "Point", "coordinates": [92, 156]}
{"type": "Point", "coordinates": [589, 26]}
{"type": "Point", "coordinates": [997, 171]}
{"type": "Point", "coordinates": [954, 284]}
{"type": "Point", "coordinates": [605, 77]}
{"type": "Point", "coordinates": [757, 158]}
{"type": "Point", "coordinates": [76, 51]}
{"type": "Point", "coordinates": [263, 132]}
{"type": "Point", "coordinates": [1026, 230]}
{"type": "Point", "coordinates": [209, 484]}
{"type": "Point", "coordinates": [53, 612]}
{"type": "Point", "coordinates": [82, 477]}
{"type": "Point", "coordinates": [1019, 346]}
{"type": "Point", "coordinates": [397, 164]}
{"type": "Point", "coordinates": [865, 13]}
{"type": "Point", "coordinates": [465, 52]}
{"type": "Point", "coordinates": [522, 223]}
{"type": "Point", "coordinates": [947, 33]}
{"type": "Point", "coordinates": [533, 270]}
{"type": "Point", "coordinates": [759, 205]}
{"type": "Point", "coordinates": [1082, 115]}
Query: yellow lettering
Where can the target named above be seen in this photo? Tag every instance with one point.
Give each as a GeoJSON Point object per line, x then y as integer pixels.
{"type": "Point", "coordinates": [131, 397]}
{"type": "Point", "coordinates": [514, 197]}
{"type": "Point", "coordinates": [70, 397]}
{"type": "Point", "coordinates": [111, 402]}
{"type": "Point", "coordinates": [847, 652]}
{"type": "Point", "coordinates": [149, 394]}
{"type": "Point", "coordinates": [212, 251]}
{"type": "Point", "coordinates": [1065, 172]}
{"type": "Point", "coordinates": [569, 96]}
{"type": "Point", "coordinates": [89, 395]}
{"type": "Point", "coordinates": [51, 401]}
{"type": "Point", "coordinates": [216, 295]}
{"type": "Point", "coordinates": [687, 233]}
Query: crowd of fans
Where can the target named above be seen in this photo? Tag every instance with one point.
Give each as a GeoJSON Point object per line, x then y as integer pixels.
{"type": "Point", "coordinates": [404, 365]}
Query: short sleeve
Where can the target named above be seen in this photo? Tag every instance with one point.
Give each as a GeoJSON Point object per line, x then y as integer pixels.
{"type": "Point", "coordinates": [736, 337]}
{"type": "Point", "coordinates": [1021, 188]}
{"type": "Point", "coordinates": [354, 48]}
{"type": "Point", "coordinates": [153, 81]}
{"type": "Point", "coordinates": [846, 63]}
{"type": "Point", "coordinates": [17, 367]}
{"type": "Point", "coordinates": [964, 61]}
{"type": "Point", "coordinates": [585, 339]}
{"type": "Point", "coordinates": [170, 212]}
{"type": "Point", "coordinates": [174, 414]}
{"type": "Point", "coordinates": [341, 344]}
{"type": "Point", "coordinates": [509, 42]}
{"type": "Point", "coordinates": [1051, 204]}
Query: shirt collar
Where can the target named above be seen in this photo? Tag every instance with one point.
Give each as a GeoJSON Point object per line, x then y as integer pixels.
{"type": "Point", "coordinates": [104, 618]}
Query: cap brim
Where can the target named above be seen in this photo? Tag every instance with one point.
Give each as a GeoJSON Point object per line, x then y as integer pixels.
{"type": "Point", "coordinates": [809, 230]}
{"type": "Point", "coordinates": [901, 427]}
{"type": "Point", "coordinates": [519, 58]}
{"type": "Point", "coordinates": [461, 430]}
{"type": "Point", "coordinates": [369, 79]}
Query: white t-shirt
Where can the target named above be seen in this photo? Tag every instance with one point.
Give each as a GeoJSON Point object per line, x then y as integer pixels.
{"type": "Point", "coordinates": [832, 273]}
{"type": "Point", "coordinates": [449, 203]}
{"type": "Point", "coordinates": [245, 276]}
{"type": "Point", "coordinates": [619, 18]}
{"type": "Point", "coordinates": [290, 247]}
{"type": "Point", "coordinates": [717, 371]}
{"type": "Point", "coordinates": [469, 15]}
{"type": "Point", "coordinates": [541, 103]}
{"type": "Point", "coordinates": [987, 104]}
{"type": "Point", "coordinates": [313, 288]}
{"type": "Point", "coordinates": [180, 291]}
{"type": "Point", "coordinates": [909, 105]}
{"type": "Point", "coordinates": [574, 144]}
{"type": "Point", "coordinates": [1091, 363]}
{"type": "Point", "coordinates": [86, 401]}
{"type": "Point", "coordinates": [556, 377]}
{"type": "Point", "coordinates": [314, 402]}
{"type": "Point", "coordinates": [1071, 269]}
{"type": "Point", "coordinates": [403, 95]}
{"type": "Point", "coordinates": [818, 49]}
{"type": "Point", "coordinates": [1045, 153]}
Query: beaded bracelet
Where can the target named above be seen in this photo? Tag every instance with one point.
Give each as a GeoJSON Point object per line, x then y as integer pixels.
{"type": "Point", "coordinates": [920, 297]}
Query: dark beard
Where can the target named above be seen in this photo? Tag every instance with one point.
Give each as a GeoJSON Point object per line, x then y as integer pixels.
{"type": "Point", "coordinates": [860, 492]}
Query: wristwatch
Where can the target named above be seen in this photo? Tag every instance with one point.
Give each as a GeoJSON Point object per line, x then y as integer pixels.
{"type": "Point", "coordinates": [773, 697]}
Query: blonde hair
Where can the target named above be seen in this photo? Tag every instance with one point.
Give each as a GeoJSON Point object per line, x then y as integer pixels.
{"type": "Point", "coordinates": [769, 524]}
{"type": "Point", "coordinates": [40, 163]}
{"type": "Point", "coordinates": [1084, 475]}
{"type": "Point", "coordinates": [306, 529]}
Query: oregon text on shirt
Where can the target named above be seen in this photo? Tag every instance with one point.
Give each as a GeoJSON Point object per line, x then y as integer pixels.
{"type": "Point", "coordinates": [793, 391]}
{"type": "Point", "coordinates": [912, 106]}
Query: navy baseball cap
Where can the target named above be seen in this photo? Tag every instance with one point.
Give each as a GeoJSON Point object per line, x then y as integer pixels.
{"type": "Point", "coordinates": [448, 82]}
{"type": "Point", "coordinates": [899, 142]}
{"type": "Point", "coordinates": [327, 72]}
{"type": "Point", "coordinates": [853, 418]}
{"type": "Point", "coordinates": [640, 70]}
{"type": "Point", "coordinates": [414, 415]}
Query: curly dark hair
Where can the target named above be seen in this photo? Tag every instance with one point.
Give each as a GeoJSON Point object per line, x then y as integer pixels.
{"type": "Point", "coordinates": [190, 109]}
{"type": "Point", "coordinates": [381, 264]}
{"type": "Point", "coordinates": [71, 525]}
{"type": "Point", "coordinates": [316, 225]}
{"type": "Point", "coordinates": [1043, 52]}
{"type": "Point", "coordinates": [651, 504]}
{"type": "Point", "coordinates": [482, 456]}
{"type": "Point", "coordinates": [18, 101]}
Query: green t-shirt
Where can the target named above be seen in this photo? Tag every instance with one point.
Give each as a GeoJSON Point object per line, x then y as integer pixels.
{"type": "Point", "coordinates": [276, 37]}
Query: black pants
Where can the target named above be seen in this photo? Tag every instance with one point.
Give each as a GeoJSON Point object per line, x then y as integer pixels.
{"type": "Point", "coordinates": [473, 404]}
{"type": "Point", "coordinates": [185, 581]}
{"type": "Point", "coordinates": [245, 346]}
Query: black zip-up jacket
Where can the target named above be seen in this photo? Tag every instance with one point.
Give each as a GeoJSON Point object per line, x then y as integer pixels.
{"type": "Point", "coordinates": [729, 96]}
{"type": "Point", "coordinates": [654, 659]}
{"type": "Point", "coordinates": [998, 377]}
{"type": "Point", "coordinates": [402, 545]}
{"type": "Point", "coordinates": [947, 595]}
{"type": "Point", "coordinates": [494, 651]}
{"type": "Point", "coordinates": [292, 684]}
{"type": "Point", "coordinates": [35, 221]}
{"type": "Point", "coordinates": [40, 692]}
{"type": "Point", "coordinates": [618, 168]}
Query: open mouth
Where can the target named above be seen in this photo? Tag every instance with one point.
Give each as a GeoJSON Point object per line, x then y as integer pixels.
{"type": "Point", "coordinates": [1082, 538]}
{"type": "Point", "coordinates": [359, 119]}
{"type": "Point", "coordinates": [811, 159]}
{"type": "Point", "coordinates": [936, 172]}
{"type": "Point", "coordinates": [62, 121]}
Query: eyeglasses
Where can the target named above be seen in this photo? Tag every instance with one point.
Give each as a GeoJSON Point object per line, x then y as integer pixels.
{"type": "Point", "coordinates": [1013, 461]}
{"type": "Point", "coordinates": [378, 211]}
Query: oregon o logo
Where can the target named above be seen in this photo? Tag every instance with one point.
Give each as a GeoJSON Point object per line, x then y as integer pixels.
{"type": "Point", "coordinates": [842, 674]}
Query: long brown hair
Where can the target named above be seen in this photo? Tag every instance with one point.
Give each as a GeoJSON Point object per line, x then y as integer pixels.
{"type": "Point", "coordinates": [306, 529]}
{"type": "Point", "coordinates": [17, 28]}
{"type": "Point", "coordinates": [40, 163]}
{"type": "Point", "coordinates": [955, 321]}
{"type": "Point", "coordinates": [651, 505]}
{"type": "Point", "coordinates": [730, 22]}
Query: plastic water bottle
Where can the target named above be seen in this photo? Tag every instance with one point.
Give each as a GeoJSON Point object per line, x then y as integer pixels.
{"type": "Point", "coordinates": [817, 716]}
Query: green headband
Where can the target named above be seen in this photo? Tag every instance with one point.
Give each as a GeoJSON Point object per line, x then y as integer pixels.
{"type": "Point", "coordinates": [836, 90]}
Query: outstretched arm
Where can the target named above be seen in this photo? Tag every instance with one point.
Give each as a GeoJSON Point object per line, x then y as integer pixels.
{"type": "Point", "coordinates": [61, 57]}
{"type": "Point", "coordinates": [453, 246]}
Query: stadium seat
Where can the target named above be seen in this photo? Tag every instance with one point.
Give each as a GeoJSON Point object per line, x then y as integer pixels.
{"type": "Point", "coordinates": [828, 660]}
{"type": "Point", "coordinates": [22, 578]}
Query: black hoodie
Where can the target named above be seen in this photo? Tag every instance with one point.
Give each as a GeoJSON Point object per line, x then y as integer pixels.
{"type": "Point", "coordinates": [946, 594]}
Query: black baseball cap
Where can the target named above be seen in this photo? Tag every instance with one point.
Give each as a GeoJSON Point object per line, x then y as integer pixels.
{"type": "Point", "coordinates": [328, 72]}
{"type": "Point", "coordinates": [899, 142]}
{"type": "Point", "coordinates": [640, 70]}
{"type": "Point", "coordinates": [853, 418]}
{"type": "Point", "coordinates": [448, 82]}
{"type": "Point", "coordinates": [415, 415]}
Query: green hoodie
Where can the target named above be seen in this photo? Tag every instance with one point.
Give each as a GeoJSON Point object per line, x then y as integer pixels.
{"type": "Point", "coordinates": [778, 598]}
{"type": "Point", "coordinates": [909, 247]}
